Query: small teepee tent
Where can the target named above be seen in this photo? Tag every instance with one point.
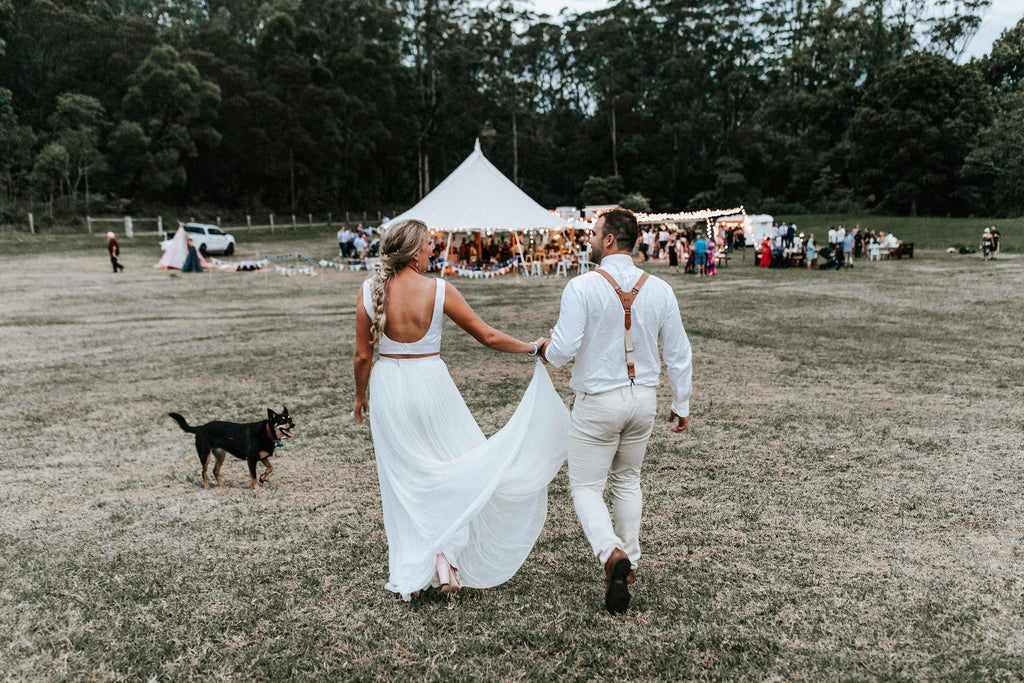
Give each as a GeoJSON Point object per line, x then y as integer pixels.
{"type": "Point", "coordinates": [176, 252]}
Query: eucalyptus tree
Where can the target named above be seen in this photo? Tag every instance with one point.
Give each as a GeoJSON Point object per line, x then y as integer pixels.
{"type": "Point", "coordinates": [16, 145]}
{"type": "Point", "coordinates": [175, 108]}
{"type": "Point", "coordinates": [445, 61]}
{"type": "Point", "coordinates": [912, 132]}
{"type": "Point", "coordinates": [77, 123]}
{"type": "Point", "coordinates": [997, 161]}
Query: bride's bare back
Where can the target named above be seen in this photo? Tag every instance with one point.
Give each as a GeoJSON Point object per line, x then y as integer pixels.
{"type": "Point", "coordinates": [409, 305]}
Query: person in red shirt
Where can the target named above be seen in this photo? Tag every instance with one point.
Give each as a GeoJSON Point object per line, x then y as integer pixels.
{"type": "Point", "coordinates": [114, 251]}
{"type": "Point", "coordinates": [766, 253]}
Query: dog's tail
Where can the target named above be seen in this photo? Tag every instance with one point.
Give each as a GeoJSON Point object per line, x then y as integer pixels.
{"type": "Point", "coordinates": [181, 423]}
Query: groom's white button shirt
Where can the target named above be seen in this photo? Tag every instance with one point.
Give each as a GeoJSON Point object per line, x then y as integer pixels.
{"type": "Point", "coordinates": [591, 328]}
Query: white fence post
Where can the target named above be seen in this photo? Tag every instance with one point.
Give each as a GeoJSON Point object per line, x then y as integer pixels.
{"type": "Point", "coordinates": [248, 221]}
{"type": "Point", "coordinates": [293, 220]}
{"type": "Point", "coordinates": [88, 224]}
{"type": "Point", "coordinates": [128, 231]}
{"type": "Point", "coordinates": [271, 222]}
{"type": "Point", "coordinates": [311, 219]}
{"type": "Point", "coordinates": [31, 223]}
{"type": "Point", "coordinates": [329, 218]}
{"type": "Point", "coordinates": [160, 226]}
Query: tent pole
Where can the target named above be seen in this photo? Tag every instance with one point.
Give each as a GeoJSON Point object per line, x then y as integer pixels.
{"type": "Point", "coordinates": [522, 259]}
{"type": "Point", "coordinates": [446, 248]}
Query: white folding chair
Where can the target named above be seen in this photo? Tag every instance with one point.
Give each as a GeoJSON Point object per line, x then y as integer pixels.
{"type": "Point", "coordinates": [535, 269]}
{"type": "Point", "coordinates": [562, 269]}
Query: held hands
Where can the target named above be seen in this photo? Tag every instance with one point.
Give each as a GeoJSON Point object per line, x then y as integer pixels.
{"type": "Point", "coordinates": [684, 422]}
{"type": "Point", "coordinates": [362, 406]}
{"type": "Point", "coordinates": [540, 342]}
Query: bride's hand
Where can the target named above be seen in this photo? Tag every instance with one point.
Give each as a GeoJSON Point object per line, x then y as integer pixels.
{"type": "Point", "coordinates": [362, 405]}
{"type": "Point", "coordinates": [542, 344]}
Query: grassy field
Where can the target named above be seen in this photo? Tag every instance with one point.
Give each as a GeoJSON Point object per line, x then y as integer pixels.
{"type": "Point", "coordinates": [846, 506]}
{"type": "Point", "coordinates": [925, 233]}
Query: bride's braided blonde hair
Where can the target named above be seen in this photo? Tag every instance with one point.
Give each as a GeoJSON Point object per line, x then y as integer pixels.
{"type": "Point", "coordinates": [399, 246]}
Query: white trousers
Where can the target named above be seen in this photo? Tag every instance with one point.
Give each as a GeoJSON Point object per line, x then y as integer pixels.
{"type": "Point", "coordinates": [607, 440]}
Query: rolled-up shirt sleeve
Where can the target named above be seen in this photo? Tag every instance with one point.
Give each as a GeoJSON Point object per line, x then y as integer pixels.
{"type": "Point", "coordinates": [568, 332]}
{"type": "Point", "coordinates": [675, 349]}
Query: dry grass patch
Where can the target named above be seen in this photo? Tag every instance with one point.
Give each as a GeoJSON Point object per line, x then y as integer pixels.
{"type": "Point", "coordinates": [847, 504]}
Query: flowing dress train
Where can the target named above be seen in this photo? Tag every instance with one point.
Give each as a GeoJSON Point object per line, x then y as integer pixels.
{"type": "Point", "coordinates": [444, 486]}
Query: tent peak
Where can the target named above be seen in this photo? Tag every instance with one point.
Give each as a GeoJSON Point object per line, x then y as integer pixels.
{"type": "Point", "coordinates": [476, 147]}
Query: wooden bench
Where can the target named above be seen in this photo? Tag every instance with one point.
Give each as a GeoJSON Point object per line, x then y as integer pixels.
{"type": "Point", "coordinates": [905, 249]}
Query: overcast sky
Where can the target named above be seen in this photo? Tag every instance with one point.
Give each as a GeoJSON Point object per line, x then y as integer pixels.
{"type": "Point", "coordinates": [1001, 15]}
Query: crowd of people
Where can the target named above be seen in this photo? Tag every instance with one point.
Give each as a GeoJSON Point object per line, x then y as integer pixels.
{"type": "Point", "coordinates": [700, 250]}
{"type": "Point", "coordinates": [784, 246]}
{"type": "Point", "coordinates": [359, 243]}
{"type": "Point", "coordinates": [696, 249]}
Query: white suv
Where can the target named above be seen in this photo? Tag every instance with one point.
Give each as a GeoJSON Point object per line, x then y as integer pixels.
{"type": "Point", "coordinates": [207, 238]}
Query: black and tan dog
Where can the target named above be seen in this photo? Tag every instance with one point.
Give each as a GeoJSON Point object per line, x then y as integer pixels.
{"type": "Point", "coordinates": [253, 442]}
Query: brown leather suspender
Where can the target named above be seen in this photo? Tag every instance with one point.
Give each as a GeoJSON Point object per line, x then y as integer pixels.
{"type": "Point", "coordinates": [627, 299]}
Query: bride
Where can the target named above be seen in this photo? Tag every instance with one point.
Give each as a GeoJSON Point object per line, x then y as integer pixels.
{"type": "Point", "coordinates": [459, 509]}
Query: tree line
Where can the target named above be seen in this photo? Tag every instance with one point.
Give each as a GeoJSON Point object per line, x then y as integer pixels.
{"type": "Point", "coordinates": [320, 105]}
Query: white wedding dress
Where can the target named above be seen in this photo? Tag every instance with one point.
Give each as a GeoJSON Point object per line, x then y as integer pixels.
{"type": "Point", "coordinates": [444, 486]}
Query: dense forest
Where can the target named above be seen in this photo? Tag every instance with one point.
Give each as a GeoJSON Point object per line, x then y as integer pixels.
{"type": "Point", "coordinates": [301, 106]}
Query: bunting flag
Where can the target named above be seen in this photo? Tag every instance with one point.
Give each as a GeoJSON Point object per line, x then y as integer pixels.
{"type": "Point", "coordinates": [350, 264]}
{"type": "Point", "coordinates": [476, 272]}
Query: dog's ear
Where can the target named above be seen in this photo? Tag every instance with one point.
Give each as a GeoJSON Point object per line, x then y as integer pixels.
{"type": "Point", "coordinates": [271, 414]}
{"type": "Point", "coordinates": [285, 413]}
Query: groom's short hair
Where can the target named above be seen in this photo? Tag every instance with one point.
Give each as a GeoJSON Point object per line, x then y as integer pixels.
{"type": "Point", "coordinates": [621, 224]}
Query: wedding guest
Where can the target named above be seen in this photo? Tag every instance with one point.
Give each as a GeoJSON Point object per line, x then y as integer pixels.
{"type": "Point", "coordinates": [766, 253]}
{"type": "Point", "coordinates": [648, 243]}
{"type": "Point", "coordinates": [811, 256]}
{"type": "Point", "coordinates": [191, 264]}
{"type": "Point", "coordinates": [115, 251]}
{"type": "Point", "coordinates": [663, 239]}
{"type": "Point", "coordinates": [832, 236]}
{"type": "Point", "coordinates": [360, 246]}
{"type": "Point", "coordinates": [986, 244]}
{"type": "Point", "coordinates": [346, 238]}
{"type": "Point", "coordinates": [673, 255]}
{"type": "Point", "coordinates": [994, 231]}
{"type": "Point", "coordinates": [848, 250]}
{"type": "Point", "coordinates": [874, 248]}
{"type": "Point", "coordinates": [700, 254]}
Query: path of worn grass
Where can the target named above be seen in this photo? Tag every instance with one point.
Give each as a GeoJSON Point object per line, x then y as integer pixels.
{"type": "Point", "coordinates": [846, 506]}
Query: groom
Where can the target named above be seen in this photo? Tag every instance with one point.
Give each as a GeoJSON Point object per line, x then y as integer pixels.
{"type": "Point", "coordinates": [611, 322]}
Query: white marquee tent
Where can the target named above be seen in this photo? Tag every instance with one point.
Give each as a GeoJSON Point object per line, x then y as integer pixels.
{"type": "Point", "coordinates": [477, 196]}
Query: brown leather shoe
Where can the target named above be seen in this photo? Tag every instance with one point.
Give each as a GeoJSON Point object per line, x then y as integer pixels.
{"type": "Point", "coordinates": [616, 572]}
